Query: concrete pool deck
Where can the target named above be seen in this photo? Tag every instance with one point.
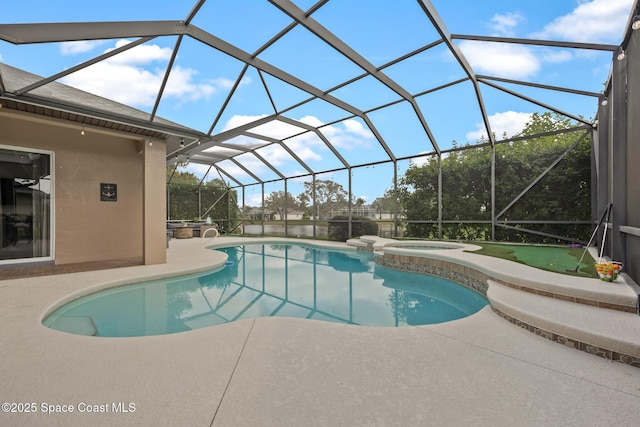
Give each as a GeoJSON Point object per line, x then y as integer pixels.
{"type": "Point", "coordinates": [481, 370]}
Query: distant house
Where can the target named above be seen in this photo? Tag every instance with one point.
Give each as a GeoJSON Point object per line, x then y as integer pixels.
{"type": "Point", "coordinates": [295, 215]}
{"type": "Point", "coordinates": [367, 211]}
{"type": "Point", "coordinates": [257, 214]}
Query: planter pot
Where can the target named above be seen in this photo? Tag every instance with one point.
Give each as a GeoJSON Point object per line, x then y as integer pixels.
{"type": "Point", "coordinates": [184, 232]}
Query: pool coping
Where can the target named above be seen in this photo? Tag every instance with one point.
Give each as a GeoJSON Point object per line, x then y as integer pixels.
{"type": "Point", "coordinates": [459, 258]}
{"type": "Point", "coordinates": [486, 275]}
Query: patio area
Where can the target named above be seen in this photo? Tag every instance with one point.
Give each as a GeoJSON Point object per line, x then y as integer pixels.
{"type": "Point", "coordinates": [480, 370]}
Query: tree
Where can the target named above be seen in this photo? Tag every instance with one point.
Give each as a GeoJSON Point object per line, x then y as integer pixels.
{"type": "Point", "coordinates": [190, 200]}
{"type": "Point", "coordinates": [183, 196]}
{"type": "Point", "coordinates": [330, 197]}
{"type": "Point", "coordinates": [563, 194]}
{"type": "Point", "coordinates": [359, 205]}
{"type": "Point", "coordinates": [280, 203]}
{"type": "Point", "coordinates": [384, 204]}
{"type": "Point", "coordinates": [360, 226]}
{"type": "Point", "coordinates": [220, 203]}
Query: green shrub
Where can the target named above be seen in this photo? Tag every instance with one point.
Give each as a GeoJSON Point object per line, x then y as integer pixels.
{"type": "Point", "coordinates": [361, 226]}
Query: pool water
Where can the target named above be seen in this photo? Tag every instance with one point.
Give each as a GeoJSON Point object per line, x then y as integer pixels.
{"type": "Point", "coordinates": [271, 280]}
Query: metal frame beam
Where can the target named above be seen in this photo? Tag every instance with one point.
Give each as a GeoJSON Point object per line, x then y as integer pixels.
{"type": "Point", "coordinates": [441, 28]}
{"type": "Point", "coordinates": [533, 101]}
{"type": "Point", "coordinates": [82, 65]}
{"type": "Point", "coordinates": [284, 146]}
{"type": "Point", "coordinates": [320, 135]}
{"type": "Point", "coordinates": [551, 43]}
{"type": "Point", "coordinates": [325, 35]}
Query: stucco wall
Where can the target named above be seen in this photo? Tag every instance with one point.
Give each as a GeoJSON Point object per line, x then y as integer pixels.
{"type": "Point", "coordinates": [87, 229]}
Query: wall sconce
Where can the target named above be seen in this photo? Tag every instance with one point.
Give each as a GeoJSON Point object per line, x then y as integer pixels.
{"type": "Point", "coordinates": [181, 142]}
{"type": "Point", "coordinates": [635, 23]}
{"type": "Point", "coordinates": [621, 54]}
{"type": "Point", "coordinates": [82, 131]}
{"type": "Point", "coordinates": [604, 101]}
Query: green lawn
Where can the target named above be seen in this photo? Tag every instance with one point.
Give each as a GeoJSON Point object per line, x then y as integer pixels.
{"type": "Point", "coordinates": [558, 259]}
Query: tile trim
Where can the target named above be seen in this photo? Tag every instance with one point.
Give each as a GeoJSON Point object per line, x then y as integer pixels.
{"type": "Point", "coordinates": [467, 275]}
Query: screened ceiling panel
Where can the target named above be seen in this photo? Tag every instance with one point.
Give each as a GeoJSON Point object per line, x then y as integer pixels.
{"type": "Point", "coordinates": [200, 80]}
{"type": "Point", "coordinates": [447, 127]}
{"type": "Point", "coordinates": [317, 110]}
{"type": "Point", "coordinates": [277, 129]}
{"type": "Point", "coordinates": [401, 129]}
{"type": "Point", "coordinates": [372, 37]}
{"type": "Point", "coordinates": [239, 174]}
{"type": "Point", "coordinates": [154, 54]}
{"type": "Point", "coordinates": [282, 159]}
{"type": "Point", "coordinates": [574, 103]}
{"type": "Point", "coordinates": [252, 23]}
{"type": "Point", "coordinates": [257, 167]}
{"type": "Point", "coordinates": [283, 94]}
{"type": "Point", "coordinates": [556, 66]}
{"type": "Point", "coordinates": [222, 152]}
{"type": "Point", "coordinates": [245, 142]}
{"type": "Point", "coordinates": [366, 93]}
{"type": "Point", "coordinates": [355, 141]}
{"type": "Point", "coordinates": [510, 121]}
{"type": "Point", "coordinates": [78, 11]}
{"type": "Point", "coordinates": [426, 70]}
{"type": "Point", "coordinates": [304, 4]}
{"type": "Point", "coordinates": [248, 102]}
{"type": "Point", "coordinates": [307, 57]}
{"type": "Point", "coordinates": [253, 74]}
{"type": "Point", "coordinates": [313, 151]}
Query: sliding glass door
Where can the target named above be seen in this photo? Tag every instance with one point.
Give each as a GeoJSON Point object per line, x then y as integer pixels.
{"type": "Point", "coordinates": [25, 205]}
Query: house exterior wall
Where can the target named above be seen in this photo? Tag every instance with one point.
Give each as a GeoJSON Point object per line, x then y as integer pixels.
{"type": "Point", "coordinates": [86, 228]}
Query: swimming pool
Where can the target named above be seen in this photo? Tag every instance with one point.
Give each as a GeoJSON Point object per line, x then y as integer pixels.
{"type": "Point", "coordinates": [288, 280]}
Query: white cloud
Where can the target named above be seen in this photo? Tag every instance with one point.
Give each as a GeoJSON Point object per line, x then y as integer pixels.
{"type": "Point", "coordinates": [501, 59]}
{"type": "Point", "coordinates": [279, 130]}
{"type": "Point", "coordinates": [504, 25]}
{"type": "Point", "coordinates": [253, 199]}
{"type": "Point", "coordinates": [239, 120]}
{"type": "Point", "coordinates": [225, 83]}
{"type": "Point", "coordinates": [423, 160]}
{"type": "Point", "coordinates": [139, 55]}
{"type": "Point", "coordinates": [508, 122]}
{"type": "Point", "coordinates": [134, 76]}
{"type": "Point", "coordinates": [556, 56]}
{"type": "Point", "coordinates": [182, 85]}
{"type": "Point", "coordinates": [591, 21]}
{"type": "Point", "coordinates": [127, 84]}
{"type": "Point", "coordinates": [74, 48]}
{"type": "Point", "coordinates": [350, 134]}
{"type": "Point", "coordinates": [311, 121]}
{"type": "Point", "coordinates": [307, 146]}
{"type": "Point", "coordinates": [356, 128]}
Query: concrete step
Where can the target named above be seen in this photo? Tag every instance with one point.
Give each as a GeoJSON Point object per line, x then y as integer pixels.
{"type": "Point", "coordinates": [592, 329]}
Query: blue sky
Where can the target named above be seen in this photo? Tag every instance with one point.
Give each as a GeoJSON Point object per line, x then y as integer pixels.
{"type": "Point", "coordinates": [378, 30]}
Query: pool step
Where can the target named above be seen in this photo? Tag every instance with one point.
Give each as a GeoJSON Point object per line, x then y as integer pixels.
{"type": "Point", "coordinates": [608, 333]}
